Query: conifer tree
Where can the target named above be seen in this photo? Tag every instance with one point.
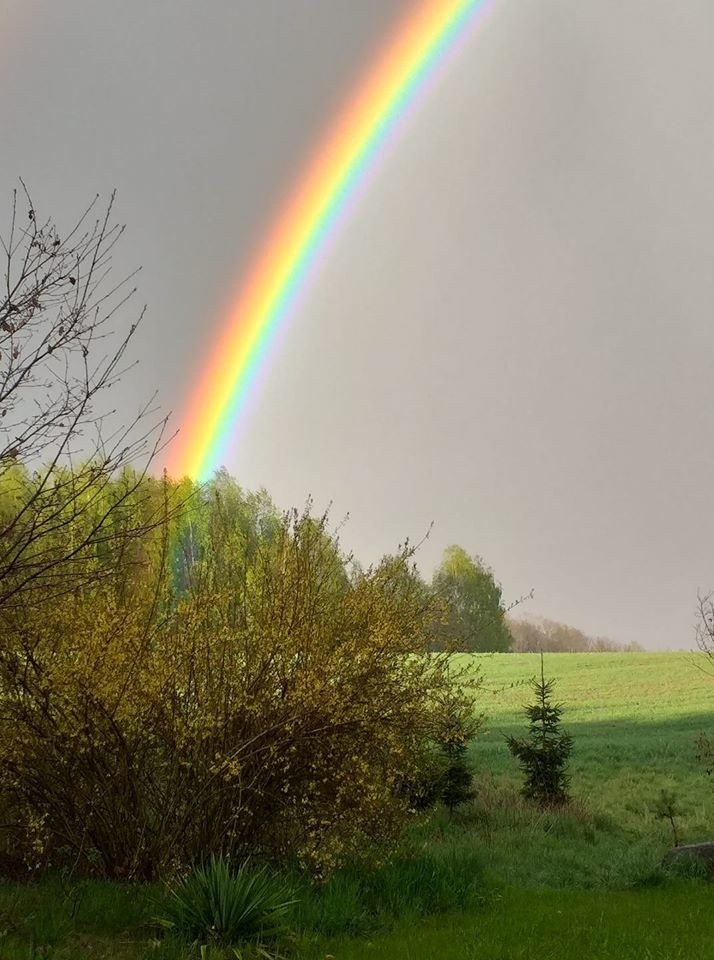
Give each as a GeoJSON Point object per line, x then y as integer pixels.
{"type": "Point", "coordinates": [458, 776]}
{"type": "Point", "coordinates": [543, 755]}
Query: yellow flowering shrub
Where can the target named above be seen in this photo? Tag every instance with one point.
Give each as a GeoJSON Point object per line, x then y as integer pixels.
{"type": "Point", "coordinates": [225, 685]}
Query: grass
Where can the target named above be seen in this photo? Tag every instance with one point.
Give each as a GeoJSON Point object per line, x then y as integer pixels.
{"type": "Point", "coordinates": [635, 719]}
{"type": "Point", "coordinates": [416, 883]}
{"type": "Point", "coordinates": [666, 924]}
{"type": "Point", "coordinates": [670, 922]}
{"type": "Point", "coordinates": [55, 919]}
{"type": "Point", "coordinates": [62, 921]}
{"type": "Point", "coordinates": [503, 881]}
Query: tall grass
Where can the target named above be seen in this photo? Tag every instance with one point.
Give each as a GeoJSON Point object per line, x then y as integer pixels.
{"type": "Point", "coordinates": [415, 884]}
{"type": "Point", "coordinates": [215, 906]}
{"type": "Point", "coordinates": [42, 920]}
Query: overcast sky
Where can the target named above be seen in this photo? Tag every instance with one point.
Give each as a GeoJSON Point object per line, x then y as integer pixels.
{"type": "Point", "coordinates": [513, 336]}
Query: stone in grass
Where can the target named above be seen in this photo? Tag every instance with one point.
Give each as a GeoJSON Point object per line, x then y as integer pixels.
{"type": "Point", "coordinates": [701, 854]}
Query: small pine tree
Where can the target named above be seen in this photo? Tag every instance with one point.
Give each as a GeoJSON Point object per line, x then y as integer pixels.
{"type": "Point", "coordinates": [458, 776]}
{"type": "Point", "coordinates": [543, 755]}
{"type": "Point", "coordinates": [456, 729]}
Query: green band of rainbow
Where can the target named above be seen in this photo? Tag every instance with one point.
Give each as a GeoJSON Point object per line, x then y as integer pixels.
{"type": "Point", "coordinates": [303, 229]}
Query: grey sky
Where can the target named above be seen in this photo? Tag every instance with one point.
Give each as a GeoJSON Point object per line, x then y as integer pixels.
{"type": "Point", "coordinates": [513, 336]}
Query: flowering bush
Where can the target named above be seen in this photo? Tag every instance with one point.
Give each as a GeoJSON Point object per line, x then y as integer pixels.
{"type": "Point", "coordinates": [226, 687]}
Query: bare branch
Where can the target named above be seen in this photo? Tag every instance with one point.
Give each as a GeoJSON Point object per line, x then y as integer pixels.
{"type": "Point", "coordinates": [63, 347]}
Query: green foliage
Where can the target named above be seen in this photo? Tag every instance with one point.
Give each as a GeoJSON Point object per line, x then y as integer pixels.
{"type": "Point", "coordinates": [457, 782]}
{"type": "Point", "coordinates": [544, 754]}
{"type": "Point", "coordinates": [635, 720]}
{"type": "Point", "coordinates": [456, 728]}
{"type": "Point", "coordinates": [705, 753]}
{"type": "Point", "coordinates": [444, 776]}
{"type": "Point", "coordinates": [475, 619]}
{"type": "Point", "coordinates": [426, 883]}
{"type": "Point", "coordinates": [215, 905]}
{"type": "Point", "coordinates": [422, 789]}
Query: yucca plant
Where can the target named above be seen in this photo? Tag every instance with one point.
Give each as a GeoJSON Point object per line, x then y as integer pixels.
{"type": "Point", "coordinates": [217, 905]}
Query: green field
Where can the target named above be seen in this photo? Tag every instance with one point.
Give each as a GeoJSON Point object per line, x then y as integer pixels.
{"type": "Point", "coordinates": [584, 883]}
{"type": "Point", "coordinates": [635, 719]}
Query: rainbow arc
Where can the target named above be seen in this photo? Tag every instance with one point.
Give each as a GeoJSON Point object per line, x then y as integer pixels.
{"type": "Point", "coordinates": [300, 236]}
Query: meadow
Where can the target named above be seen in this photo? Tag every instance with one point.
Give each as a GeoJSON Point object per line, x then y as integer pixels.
{"type": "Point", "coordinates": [635, 719]}
{"type": "Point", "coordinates": [499, 880]}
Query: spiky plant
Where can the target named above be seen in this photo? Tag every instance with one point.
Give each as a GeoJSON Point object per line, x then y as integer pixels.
{"type": "Point", "coordinates": [219, 906]}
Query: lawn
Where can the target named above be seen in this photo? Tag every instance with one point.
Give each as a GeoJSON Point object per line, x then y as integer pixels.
{"type": "Point", "coordinates": [666, 924]}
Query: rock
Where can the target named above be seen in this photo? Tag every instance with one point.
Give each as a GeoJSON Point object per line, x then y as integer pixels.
{"type": "Point", "coordinates": [701, 852]}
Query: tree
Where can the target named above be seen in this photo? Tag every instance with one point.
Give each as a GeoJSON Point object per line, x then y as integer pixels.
{"type": "Point", "coordinates": [475, 618]}
{"type": "Point", "coordinates": [457, 725]}
{"type": "Point", "coordinates": [705, 642]}
{"type": "Point", "coordinates": [705, 624]}
{"type": "Point", "coordinates": [543, 754]}
{"type": "Point", "coordinates": [62, 349]}
{"type": "Point", "coordinates": [458, 776]}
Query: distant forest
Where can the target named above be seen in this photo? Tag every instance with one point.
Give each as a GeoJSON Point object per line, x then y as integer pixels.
{"type": "Point", "coordinates": [550, 636]}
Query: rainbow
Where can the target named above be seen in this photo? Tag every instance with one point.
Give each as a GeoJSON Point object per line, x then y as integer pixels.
{"type": "Point", "coordinates": [301, 233]}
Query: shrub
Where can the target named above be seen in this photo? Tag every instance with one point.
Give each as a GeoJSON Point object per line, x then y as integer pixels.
{"type": "Point", "coordinates": [444, 773]}
{"type": "Point", "coordinates": [544, 754]}
{"type": "Point", "coordinates": [668, 808]}
{"type": "Point", "coordinates": [215, 905]}
{"type": "Point", "coordinates": [424, 787]}
{"type": "Point", "coordinates": [224, 687]}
